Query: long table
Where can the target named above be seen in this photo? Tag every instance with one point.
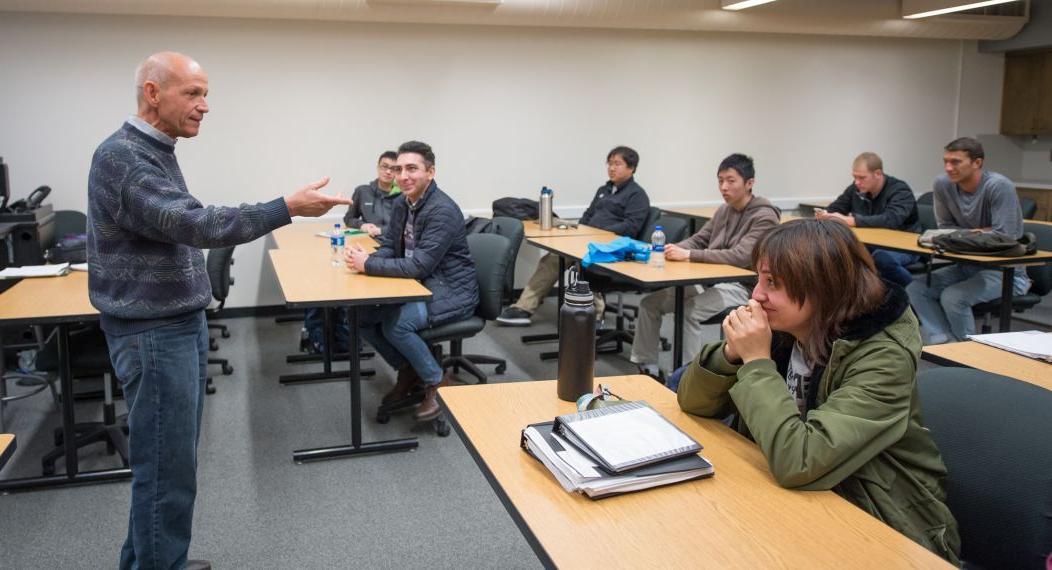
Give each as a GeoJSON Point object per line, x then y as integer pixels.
{"type": "Point", "coordinates": [60, 301]}
{"type": "Point", "coordinates": [740, 518]}
{"type": "Point", "coordinates": [971, 354]}
{"type": "Point", "coordinates": [675, 274]}
{"type": "Point", "coordinates": [308, 280]}
{"type": "Point", "coordinates": [8, 444]}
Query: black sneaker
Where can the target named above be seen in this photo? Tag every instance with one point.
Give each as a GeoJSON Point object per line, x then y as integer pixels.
{"type": "Point", "coordinates": [514, 317]}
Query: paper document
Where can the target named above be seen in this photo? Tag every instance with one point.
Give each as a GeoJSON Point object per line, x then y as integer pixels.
{"type": "Point", "coordinates": [35, 271]}
{"type": "Point", "coordinates": [629, 435]}
{"type": "Point", "coordinates": [1032, 344]}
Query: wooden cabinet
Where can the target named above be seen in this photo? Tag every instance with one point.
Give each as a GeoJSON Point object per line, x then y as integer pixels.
{"type": "Point", "coordinates": [1042, 197]}
{"type": "Point", "coordinates": [1026, 104]}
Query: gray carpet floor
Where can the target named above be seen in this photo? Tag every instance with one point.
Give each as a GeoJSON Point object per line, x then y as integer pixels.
{"type": "Point", "coordinates": [257, 509]}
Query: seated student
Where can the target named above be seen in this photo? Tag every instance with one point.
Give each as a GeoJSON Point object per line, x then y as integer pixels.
{"type": "Point", "coordinates": [967, 197]}
{"type": "Point", "coordinates": [876, 200]}
{"type": "Point", "coordinates": [726, 238]}
{"type": "Point", "coordinates": [424, 240]}
{"type": "Point", "coordinates": [820, 370]}
{"type": "Point", "coordinates": [369, 212]}
{"type": "Point", "coordinates": [619, 206]}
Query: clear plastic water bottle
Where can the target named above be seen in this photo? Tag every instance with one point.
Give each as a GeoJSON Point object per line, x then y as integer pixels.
{"type": "Point", "coordinates": [336, 244]}
{"type": "Point", "coordinates": [657, 247]}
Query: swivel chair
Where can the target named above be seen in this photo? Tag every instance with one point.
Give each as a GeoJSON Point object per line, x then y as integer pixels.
{"type": "Point", "coordinates": [218, 263]}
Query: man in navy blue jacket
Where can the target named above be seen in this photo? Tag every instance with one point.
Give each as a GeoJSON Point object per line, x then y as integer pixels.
{"type": "Point", "coordinates": [424, 240]}
{"type": "Point", "coordinates": [147, 277]}
{"type": "Point", "coordinates": [620, 206]}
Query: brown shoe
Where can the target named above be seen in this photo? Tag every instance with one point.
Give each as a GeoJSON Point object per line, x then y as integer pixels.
{"type": "Point", "coordinates": [407, 381]}
{"type": "Point", "coordinates": [429, 408]}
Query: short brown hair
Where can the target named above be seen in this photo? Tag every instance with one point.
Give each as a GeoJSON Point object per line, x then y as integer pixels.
{"type": "Point", "coordinates": [822, 261]}
{"type": "Point", "coordinates": [968, 145]}
{"type": "Point", "coordinates": [871, 160]}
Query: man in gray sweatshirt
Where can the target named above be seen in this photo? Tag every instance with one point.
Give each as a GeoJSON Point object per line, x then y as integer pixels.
{"type": "Point", "coordinates": [147, 277]}
{"type": "Point", "coordinates": [967, 197]}
{"type": "Point", "coordinates": [727, 238]}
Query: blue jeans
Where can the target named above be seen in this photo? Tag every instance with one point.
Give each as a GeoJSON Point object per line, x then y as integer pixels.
{"type": "Point", "coordinates": [391, 329]}
{"type": "Point", "coordinates": [892, 265]}
{"type": "Point", "coordinates": [945, 308]}
{"type": "Point", "coordinates": [162, 372]}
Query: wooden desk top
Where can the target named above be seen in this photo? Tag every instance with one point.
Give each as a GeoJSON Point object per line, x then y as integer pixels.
{"type": "Point", "coordinates": [7, 448]}
{"type": "Point", "coordinates": [43, 300]}
{"type": "Point", "coordinates": [706, 212]}
{"type": "Point", "coordinates": [907, 241]}
{"type": "Point", "coordinates": [532, 228]}
{"type": "Point", "coordinates": [303, 237]}
{"type": "Point", "coordinates": [984, 357]}
{"type": "Point", "coordinates": [740, 518]}
{"type": "Point", "coordinates": [310, 281]}
{"type": "Point", "coordinates": [674, 272]}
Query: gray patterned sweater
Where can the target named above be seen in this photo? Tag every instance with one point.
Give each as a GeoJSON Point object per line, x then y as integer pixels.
{"type": "Point", "coordinates": [145, 234]}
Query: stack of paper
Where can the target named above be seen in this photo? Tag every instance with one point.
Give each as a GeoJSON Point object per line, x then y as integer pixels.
{"type": "Point", "coordinates": [615, 450]}
{"type": "Point", "coordinates": [35, 271]}
{"type": "Point", "coordinates": [1032, 344]}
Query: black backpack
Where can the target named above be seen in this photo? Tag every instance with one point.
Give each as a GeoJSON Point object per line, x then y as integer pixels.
{"type": "Point", "coordinates": [971, 242]}
{"type": "Point", "coordinates": [71, 249]}
{"type": "Point", "coordinates": [518, 208]}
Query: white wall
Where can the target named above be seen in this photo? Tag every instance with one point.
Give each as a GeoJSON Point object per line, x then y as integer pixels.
{"type": "Point", "coordinates": [506, 109]}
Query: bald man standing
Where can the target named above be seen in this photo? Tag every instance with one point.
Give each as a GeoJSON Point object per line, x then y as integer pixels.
{"type": "Point", "coordinates": [147, 278]}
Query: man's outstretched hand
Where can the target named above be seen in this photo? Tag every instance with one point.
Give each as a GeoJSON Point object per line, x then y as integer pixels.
{"type": "Point", "coordinates": [308, 201]}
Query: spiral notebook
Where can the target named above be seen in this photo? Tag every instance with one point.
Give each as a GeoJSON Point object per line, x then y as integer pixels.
{"type": "Point", "coordinates": [626, 436]}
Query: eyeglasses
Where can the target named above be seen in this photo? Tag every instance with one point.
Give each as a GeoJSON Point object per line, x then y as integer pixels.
{"type": "Point", "coordinates": [386, 167]}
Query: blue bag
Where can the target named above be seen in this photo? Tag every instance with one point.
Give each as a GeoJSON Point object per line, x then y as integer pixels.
{"type": "Point", "coordinates": [621, 249]}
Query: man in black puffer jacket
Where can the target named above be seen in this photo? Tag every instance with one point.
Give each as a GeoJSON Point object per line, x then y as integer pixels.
{"type": "Point", "coordinates": [424, 240]}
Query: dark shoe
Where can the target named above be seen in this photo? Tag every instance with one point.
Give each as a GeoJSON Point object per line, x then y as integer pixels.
{"type": "Point", "coordinates": [198, 565]}
{"type": "Point", "coordinates": [407, 381]}
{"type": "Point", "coordinates": [514, 317]}
{"type": "Point", "coordinates": [429, 408]}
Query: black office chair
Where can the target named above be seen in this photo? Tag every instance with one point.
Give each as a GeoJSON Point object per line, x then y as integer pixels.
{"type": "Point", "coordinates": [69, 222]}
{"type": "Point", "coordinates": [11, 343]}
{"type": "Point", "coordinates": [490, 253]}
{"type": "Point", "coordinates": [927, 199]}
{"type": "Point", "coordinates": [90, 358]}
{"type": "Point", "coordinates": [1040, 275]}
{"type": "Point", "coordinates": [992, 432]}
{"type": "Point", "coordinates": [1029, 207]}
{"type": "Point", "coordinates": [218, 263]}
{"type": "Point", "coordinates": [510, 228]}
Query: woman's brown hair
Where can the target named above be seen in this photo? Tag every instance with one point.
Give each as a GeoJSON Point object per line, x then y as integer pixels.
{"type": "Point", "coordinates": [822, 261]}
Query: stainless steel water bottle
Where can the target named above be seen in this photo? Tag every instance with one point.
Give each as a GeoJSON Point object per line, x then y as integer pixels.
{"type": "Point", "coordinates": [576, 341]}
{"type": "Point", "coordinates": [545, 213]}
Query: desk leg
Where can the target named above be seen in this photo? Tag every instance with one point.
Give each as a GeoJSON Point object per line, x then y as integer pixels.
{"type": "Point", "coordinates": [677, 331]}
{"type": "Point", "coordinates": [356, 447]}
{"type": "Point", "coordinates": [1007, 278]}
{"type": "Point", "coordinates": [549, 337]}
{"type": "Point", "coordinates": [327, 357]}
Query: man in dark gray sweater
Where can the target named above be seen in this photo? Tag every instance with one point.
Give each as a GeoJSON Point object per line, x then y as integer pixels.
{"type": "Point", "coordinates": [147, 278]}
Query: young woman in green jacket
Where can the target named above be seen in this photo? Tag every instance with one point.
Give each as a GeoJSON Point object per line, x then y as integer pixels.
{"type": "Point", "coordinates": [822, 324]}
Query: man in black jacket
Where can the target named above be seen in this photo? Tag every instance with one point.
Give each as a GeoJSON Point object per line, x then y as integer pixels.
{"type": "Point", "coordinates": [875, 200]}
{"type": "Point", "coordinates": [424, 240]}
{"type": "Point", "coordinates": [619, 206]}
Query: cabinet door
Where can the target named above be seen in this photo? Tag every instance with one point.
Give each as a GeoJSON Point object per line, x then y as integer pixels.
{"type": "Point", "coordinates": [1022, 95]}
{"type": "Point", "coordinates": [1044, 109]}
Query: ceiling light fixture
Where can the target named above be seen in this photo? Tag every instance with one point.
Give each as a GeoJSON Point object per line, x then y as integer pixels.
{"type": "Point", "coordinates": [742, 4]}
{"type": "Point", "coordinates": [914, 9]}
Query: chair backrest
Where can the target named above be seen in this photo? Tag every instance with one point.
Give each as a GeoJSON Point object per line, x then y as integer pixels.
{"type": "Point", "coordinates": [69, 222]}
{"type": "Point", "coordinates": [510, 228]}
{"type": "Point", "coordinates": [1040, 274]}
{"type": "Point", "coordinates": [219, 261]}
{"type": "Point", "coordinates": [927, 198]}
{"type": "Point", "coordinates": [992, 432]}
{"type": "Point", "coordinates": [648, 226]}
{"type": "Point", "coordinates": [926, 216]}
{"type": "Point", "coordinates": [675, 228]}
{"type": "Point", "coordinates": [490, 253]}
{"type": "Point", "coordinates": [1029, 207]}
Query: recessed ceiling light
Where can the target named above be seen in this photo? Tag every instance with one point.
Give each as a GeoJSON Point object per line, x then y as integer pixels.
{"type": "Point", "coordinates": [742, 4]}
{"type": "Point", "coordinates": [911, 10]}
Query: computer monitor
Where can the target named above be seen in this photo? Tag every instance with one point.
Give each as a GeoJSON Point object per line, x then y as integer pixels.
{"type": "Point", "coordinates": [5, 186]}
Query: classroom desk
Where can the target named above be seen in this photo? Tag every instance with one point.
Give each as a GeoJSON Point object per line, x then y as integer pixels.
{"type": "Point", "coordinates": [532, 228]}
{"type": "Point", "coordinates": [307, 281]}
{"type": "Point", "coordinates": [7, 448]}
{"type": "Point", "coordinates": [303, 237]}
{"type": "Point", "coordinates": [693, 214]}
{"type": "Point", "coordinates": [907, 242]}
{"type": "Point", "coordinates": [59, 301]}
{"type": "Point", "coordinates": [740, 518]}
{"type": "Point", "coordinates": [971, 354]}
{"type": "Point", "coordinates": [675, 274]}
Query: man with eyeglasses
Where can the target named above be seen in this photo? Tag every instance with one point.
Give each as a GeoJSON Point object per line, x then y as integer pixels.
{"type": "Point", "coordinates": [619, 206]}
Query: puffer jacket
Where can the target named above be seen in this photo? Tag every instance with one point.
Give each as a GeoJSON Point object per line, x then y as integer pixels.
{"type": "Point", "coordinates": [861, 436]}
{"type": "Point", "coordinates": [441, 259]}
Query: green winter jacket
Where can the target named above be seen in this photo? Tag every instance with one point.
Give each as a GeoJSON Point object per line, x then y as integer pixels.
{"type": "Point", "coordinates": [863, 438]}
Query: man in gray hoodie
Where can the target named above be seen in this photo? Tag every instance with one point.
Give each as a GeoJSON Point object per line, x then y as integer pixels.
{"type": "Point", "coordinates": [727, 238]}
